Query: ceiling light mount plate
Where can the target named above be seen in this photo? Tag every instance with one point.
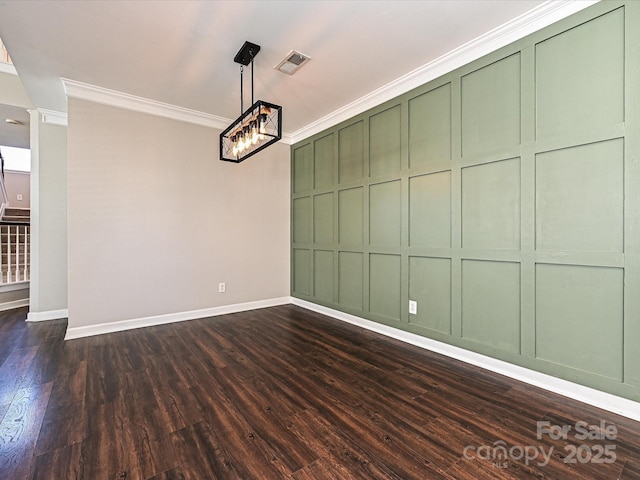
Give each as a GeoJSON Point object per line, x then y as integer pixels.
{"type": "Point", "coordinates": [247, 53]}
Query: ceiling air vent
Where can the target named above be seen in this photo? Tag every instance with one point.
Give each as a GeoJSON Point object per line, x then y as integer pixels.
{"type": "Point", "coordinates": [292, 62]}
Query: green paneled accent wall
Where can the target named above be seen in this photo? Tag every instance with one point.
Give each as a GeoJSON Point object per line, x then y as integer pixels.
{"type": "Point", "coordinates": [503, 198]}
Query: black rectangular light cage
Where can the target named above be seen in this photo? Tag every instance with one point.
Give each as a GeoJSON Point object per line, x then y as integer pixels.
{"type": "Point", "coordinates": [257, 128]}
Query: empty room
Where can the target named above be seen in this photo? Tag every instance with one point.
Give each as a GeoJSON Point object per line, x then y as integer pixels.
{"type": "Point", "coordinates": [319, 239]}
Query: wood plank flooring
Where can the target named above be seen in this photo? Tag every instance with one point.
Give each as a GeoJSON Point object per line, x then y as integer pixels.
{"type": "Point", "coordinates": [280, 393]}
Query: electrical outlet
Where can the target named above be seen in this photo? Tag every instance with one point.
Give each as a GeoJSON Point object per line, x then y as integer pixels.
{"type": "Point", "coordinates": [222, 287]}
{"type": "Point", "coordinates": [413, 307]}
{"type": "Point", "coordinates": [19, 196]}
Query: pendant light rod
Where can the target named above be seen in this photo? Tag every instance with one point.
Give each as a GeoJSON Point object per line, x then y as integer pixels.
{"type": "Point", "coordinates": [241, 91]}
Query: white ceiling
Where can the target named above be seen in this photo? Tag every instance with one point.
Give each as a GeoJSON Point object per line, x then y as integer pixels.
{"type": "Point", "coordinates": [181, 52]}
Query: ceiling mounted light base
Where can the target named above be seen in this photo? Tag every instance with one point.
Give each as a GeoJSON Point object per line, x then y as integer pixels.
{"type": "Point", "coordinates": [257, 127]}
{"type": "Point", "coordinates": [247, 53]}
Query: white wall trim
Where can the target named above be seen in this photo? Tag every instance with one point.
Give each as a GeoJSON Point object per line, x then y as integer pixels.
{"type": "Point", "coordinates": [535, 19]}
{"type": "Point", "coordinates": [96, 94]}
{"type": "Point", "coordinates": [47, 315]}
{"type": "Point", "coordinates": [591, 396]}
{"type": "Point", "coordinates": [12, 287]}
{"type": "Point", "coordinates": [89, 330]}
{"type": "Point", "coordinates": [8, 68]}
{"type": "Point", "coordinates": [23, 302]}
{"type": "Point", "coordinates": [53, 117]}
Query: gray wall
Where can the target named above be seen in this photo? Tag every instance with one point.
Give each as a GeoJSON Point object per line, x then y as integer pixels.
{"type": "Point", "coordinates": [156, 221]}
{"type": "Point", "coordinates": [18, 183]}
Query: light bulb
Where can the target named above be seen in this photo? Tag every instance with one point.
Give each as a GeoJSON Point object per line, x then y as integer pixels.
{"type": "Point", "coordinates": [240, 142]}
{"type": "Point", "coordinates": [234, 149]}
{"type": "Point", "coordinates": [254, 132]}
{"type": "Point", "coordinates": [263, 123]}
{"type": "Point", "coordinates": [247, 137]}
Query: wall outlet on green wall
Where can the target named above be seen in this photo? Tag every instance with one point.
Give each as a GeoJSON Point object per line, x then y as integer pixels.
{"type": "Point", "coordinates": [413, 307]}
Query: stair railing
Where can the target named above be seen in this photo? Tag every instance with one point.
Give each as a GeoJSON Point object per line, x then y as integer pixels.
{"type": "Point", "coordinates": [14, 252]}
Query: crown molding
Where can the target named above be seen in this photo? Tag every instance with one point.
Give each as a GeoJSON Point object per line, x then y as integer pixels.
{"type": "Point", "coordinates": [53, 117]}
{"type": "Point", "coordinates": [105, 96]}
{"type": "Point", "coordinates": [535, 19]}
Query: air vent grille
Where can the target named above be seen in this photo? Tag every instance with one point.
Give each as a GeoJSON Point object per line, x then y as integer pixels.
{"type": "Point", "coordinates": [292, 62]}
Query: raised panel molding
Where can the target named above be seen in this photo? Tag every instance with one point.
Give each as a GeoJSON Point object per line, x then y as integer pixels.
{"type": "Point", "coordinates": [430, 129]}
{"type": "Point", "coordinates": [384, 285]}
{"type": "Point", "coordinates": [430, 210]}
{"type": "Point", "coordinates": [515, 243]}
{"type": "Point", "coordinates": [491, 304]}
{"type": "Point", "coordinates": [384, 142]}
{"type": "Point", "coordinates": [580, 77]}
{"type": "Point", "coordinates": [350, 280]}
{"type": "Point", "coordinates": [491, 205]}
{"type": "Point", "coordinates": [580, 198]}
{"type": "Point", "coordinates": [491, 107]}
{"type": "Point", "coordinates": [351, 153]}
{"type": "Point", "coordinates": [583, 323]}
{"type": "Point", "coordinates": [302, 169]}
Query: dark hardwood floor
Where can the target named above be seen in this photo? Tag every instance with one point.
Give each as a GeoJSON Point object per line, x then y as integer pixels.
{"type": "Point", "coordinates": [280, 393]}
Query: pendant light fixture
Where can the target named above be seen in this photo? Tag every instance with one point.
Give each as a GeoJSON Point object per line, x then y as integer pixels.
{"type": "Point", "coordinates": [257, 127]}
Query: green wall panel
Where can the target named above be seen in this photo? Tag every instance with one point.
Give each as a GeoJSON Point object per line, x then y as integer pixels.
{"type": "Point", "coordinates": [324, 162]}
{"type": "Point", "coordinates": [323, 275]}
{"type": "Point", "coordinates": [302, 271]}
{"type": "Point", "coordinates": [491, 304]}
{"type": "Point", "coordinates": [384, 142]}
{"type": "Point", "coordinates": [430, 210]}
{"type": "Point", "coordinates": [350, 279]}
{"type": "Point", "coordinates": [384, 213]}
{"type": "Point", "coordinates": [351, 153]}
{"type": "Point", "coordinates": [302, 169]}
{"type": "Point", "coordinates": [430, 129]}
{"type": "Point", "coordinates": [491, 205]}
{"type": "Point", "coordinates": [583, 327]}
{"type": "Point", "coordinates": [580, 77]}
{"type": "Point", "coordinates": [302, 220]}
{"type": "Point", "coordinates": [430, 287]}
{"type": "Point", "coordinates": [323, 218]}
{"type": "Point", "coordinates": [350, 216]}
{"type": "Point", "coordinates": [502, 197]}
{"type": "Point", "coordinates": [580, 198]}
{"type": "Point", "coordinates": [384, 285]}
{"type": "Point", "coordinates": [491, 107]}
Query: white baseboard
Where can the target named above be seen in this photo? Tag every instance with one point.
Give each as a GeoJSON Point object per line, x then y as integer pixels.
{"type": "Point", "coordinates": [591, 396]}
{"type": "Point", "coordinates": [23, 302]}
{"type": "Point", "coordinates": [47, 315]}
{"type": "Point", "coordinates": [89, 330]}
